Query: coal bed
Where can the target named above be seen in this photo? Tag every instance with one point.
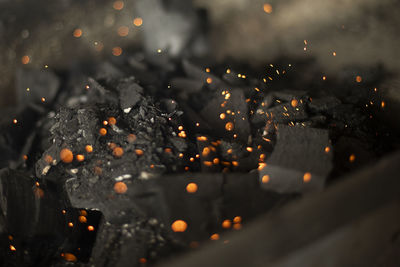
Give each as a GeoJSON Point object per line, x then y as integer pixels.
{"type": "Point", "coordinates": [134, 160]}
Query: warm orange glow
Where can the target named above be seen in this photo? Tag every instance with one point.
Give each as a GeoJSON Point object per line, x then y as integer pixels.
{"type": "Point", "coordinates": [70, 257]}
{"type": "Point", "coordinates": [118, 152]}
{"type": "Point", "coordinates": [229, 126]}
{"type": "Point", "coordinates": [235, 163]}
{"type": "Point", "coordinates": [82, 219]}
{"type": "Point", "coordinates": [237, 219]}
{"type": "Point", "coordinates": [250, 149]}
{"type": "Point", "coordinates": [12, 248]}
{"type": "Point", "coordinates": [103, 131]}
{"type": "Point", "coordinates": [90, 228]}
{"type": "Point", "coordinates": [139, 152]}
{"type": "Point", "coordinates": [307, 177]}
{"type": "Point", "coordinates": [352, 158]}
{"type": "Point", "coordinates": [80, 157]}
{"type": "Point", "coordinates": [209, 80]}
{"type": "Point", "coordinates": [201, 138]}
{"type": "Point", "coordinates": [294, 103]}
{"type": "Point", "coordinates": [179, 226]}
{"type": "Point", "coordinates": [138, 22]}
{"type": "Point", "coordinates": [216, 161]}
{"type": "Point", "coordinates": [77, 33]}
{"type": "Point", "coordinates": [358, 79]}
{"type": "Point", "coordinates": [383, 104]}
{"type": "Point", "coordinates": [327, 149]}
{"type": "Point", "coordinates": [118, 5]}
{"type": "Point", "coordinates": [25, 60]}
{"type": "Point", "coordinates": [222, 116]}
{"type": "Point", "coordinates": [70, 224]}
{"type": "Point", "coordinates": [191, 188]}
{"type": "Point", "coordinates": [142, 260]}
{"type": "Point", "coordinates": [265, 179]}
{"type": "Point", "coordinates": [117, 51]}
{"type": "Point", "coordinates": [66, 155]}
{"type": "Point", "coordinates": [214, 237]}
{"type": "Point", "coordinates": [131, 138]}
{"type": "Point", "coordinates": [237, 226]}
{"type": "Point", "coordinates": [226, 224]}
{"type": "Point", "coordinates": [48, 159]}
{"type": "Point", "coordinates": [89, 149]}
{"type": "Point", "coordinates": [261, 166]}
{"type": "Point", "coordinates": [123, 31]}
{"type": "Point", "coordinates": [267, 8]}
{"type": "Point", "coordinates": [112, 121]}
{"type": "Point", "coordinates": [205, 152]}
{"type": "Point", "coordinates": [120, 188]}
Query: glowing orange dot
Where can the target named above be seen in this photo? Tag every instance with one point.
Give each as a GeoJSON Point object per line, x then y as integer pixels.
{"type": "Point", "coordinates": [352, 158]}
{"type": "Point", "coordinates": [226, 224]}
{"type": "Point", "coordinates": [70, 224]}
{"type": "Point", "coordinates": [90, 228]}
{"type": "Point", "coordinates": [229, 126]}
{"type": "Point", "coordinates": [235, 163]}
{"type": "Point", "coordinates": [80, 157]}
{"type": "Point", "coordinates": [118, 5]}
{"type": "Point", "coordinates": [12, 248]}
{"type": "Point", "coordinates": [265, 179]}
{"type": "Point", "coordinates": [103, 131]}
{"type": "Point", "coordinates": [208, 163]}
{"type": "Point", "coordinates": [179, 226]}
{"type": "Point", "coordinates": [222, 116]}
{"type": "Point", "coordinates": [237, 219]}
{"type": "Point", "coordinates": [25, 157]}
{"type": "Point", "coordinates": [10, 237]}
{"type": "Point", "coordinates": [205, 152]}
{"type": "Point", "coordinates": [77, 33]}
{"type": "Point", "coordinates": [66, 155]}
{"type": "Point", "coordinates": [123, 31]}
{"type": "Point", "coordinates": [294, 103]}
{"type": "Point", "coordinates": [138, 22]}
{"type": "Point", "coordinates": [112, 121]}
{"type": "Point", "coordinates": [181, 155]}
{"type": "Point", "coordinates": [250, 149]}
{"type": "Point", "coordinates": [168, 150]}
{"type": "Point", "coordinates": [267, 8]}
{"type": "Point", "coordinates": [307, 177]}
{"type": "Point", "coordinates": [25, 60]}
{"type": "Point", "coordinates": [261, 166]}
{"type": "Point", "coordinates": [237, 226]}
{"type": "Point", "coordinates": [209, 80]}
{"type": "Point", "coordinates": [214, 237]}
{"type": "Point", "coordinates": [131, 138]}
{"type": "Point", "coordinates": [82, 219]}
{"type": "Point", "coordinates": [216, 161]}
{"type": "Point", "coordinates": [118, 152]}
{"type": "Point", "coordinates": [191, 188]}
{"type": "Point", "coordinates": [202, 138]}
{"type": "Point", "coordinates": [48, 159]}
{"type": "Point", "coordinates": [383, 104]}
{"type": "Point", "coordinates": [120, 187]}
{"type": "Point", "coordinates": [15, 121]}
{"type": "Point", "coordinates": [70, 257]}
{"type": "Point", "coordinates": [117, 51]}
{"type": "Point", "coordinates": [334, 54]}
{"type": "Point", "coordinates": [83, 212]}
{"type": "Point", "coordinates": [139, 152]}
{"type": "Point", "coordinates": [142, 260]}
{"type": "Point", "coordinates": [89, 149]}
{"type": "Point", "coordinates": [358, 79]}
{"type": "Point", "coordinates": [327, 149]}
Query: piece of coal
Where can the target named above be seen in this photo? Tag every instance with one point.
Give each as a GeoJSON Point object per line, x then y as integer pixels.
{"type": "Point", "coordinates": [288, 95]}
{"type": "Point", "coordinates": [300, 162]}
{"type": "Point", "coordinates": [323, 104]}
{"type": "Point", "coordinates": [35, 85]}
{"type": "Point", "coordinates": [130, 94]}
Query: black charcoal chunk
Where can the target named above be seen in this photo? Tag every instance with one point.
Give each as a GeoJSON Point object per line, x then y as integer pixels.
{"type": "Point", "coordinates": [33, 85]}
{"type": "Point", "coordinates": [199, 74]}
{"type": "Point", "coordinates": [324, 104]}
{"type": "Point", "coordinates": [130, 93]}
{"type": "Point", "coordinates": [300, 161]}
{"type": "Point", "coordinates": [186, 85]}
{"type": "Point", "coordinates": [288, 95]}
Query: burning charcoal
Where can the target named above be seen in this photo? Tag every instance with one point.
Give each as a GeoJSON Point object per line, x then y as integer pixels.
{"type": "Point", "coordinates": [36, 86]}
{"type": "Point", "coordinates": [288, 95]}
{"type": "Point", "coordinates": [209, 157]}
{"type": "Point", "coordinates": [227, 114]}
{"type": "Point", "coordinates": [233, 79]}
{"type": "Point", "coordinates": [130, 94]}
{"type": "Point", "coordinates": [323, 104]}
{"type": "Point", "coordinates": [283, 113]}
{"type": "Point", "coordinates": [301, 161]}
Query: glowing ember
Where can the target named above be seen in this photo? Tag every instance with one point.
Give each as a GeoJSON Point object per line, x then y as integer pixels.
{"type": "Point", "coordinates": [103, 131]}
{"type": "Point", "coordinates": [123, 31]}
{"type": "Point", "coordinates": [358, 79]}
{"type": "Point", "coordinates": [70, 257]}
{"type": "Point", "coordinates": [25, 60]}
{"type": "Point", "coordinates": [267, 8]}
{"type": "Point", "coordinates": [307, 177]}
{"type": "Point", "coordinates": [90, 228]}
{"type": "Point", "coordinates": [117, 51]}
{"type": "Point", "coordinates": [226, 224]}
{"type": "Point", "coordinates": [120, 188]}
{"type": "Point", "coordinates": [294, 103]}
{"type": "Point", "coordinates": [82, 219]}
{"type": "Point", "coordinates": [118, 152]}
{"type": "Point", "coordinates": [118, 5]}
{"type": "Point", "coordinates": [191, 188]}
{"type": "Point", "coordinates": [179, 226]}
{"type": "Point", "coordinates": [229, 126]}
{"type": "Point", "coordinates": [77, 33]}
{"type": "Point", "coordinates": [214, 237]}
{"type": "Point", "coordinates": [80, 157]}
{"type": "Point", "coordinates": [66, 155]}
{"type": "Point", "coordinates": [265, 179]}
{"type": "Point", "coordinates": [138, 22]}
{"type": "Point", "coordinates": [352, 158]}
{"type": "Point", "coordinates": [89, 149]}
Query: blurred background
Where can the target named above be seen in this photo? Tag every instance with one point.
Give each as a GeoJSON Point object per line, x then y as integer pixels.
{"type": "Point", "coordinates": [55, 34]}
